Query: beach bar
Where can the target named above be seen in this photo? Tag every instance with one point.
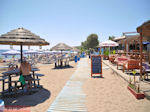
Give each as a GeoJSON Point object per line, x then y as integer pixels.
{"type": "Point", "coordinates": [144, 31]}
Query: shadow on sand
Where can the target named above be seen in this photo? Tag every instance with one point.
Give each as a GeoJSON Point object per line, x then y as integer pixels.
{"type": "Point", "coordinates": [28, 100]}
{"type": "Point", "coordinates": [137, 74]}
{"type": "Point", "coordinates": [97, 77]}
{"type": "Point", "coordinates": [64, 67]}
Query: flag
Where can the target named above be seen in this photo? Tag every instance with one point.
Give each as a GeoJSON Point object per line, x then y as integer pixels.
{"type": "Point", "coordinates": [21, 79]}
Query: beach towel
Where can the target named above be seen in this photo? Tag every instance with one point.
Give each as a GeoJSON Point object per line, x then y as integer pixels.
{"type": "Point", "coordinates": [21, 79]}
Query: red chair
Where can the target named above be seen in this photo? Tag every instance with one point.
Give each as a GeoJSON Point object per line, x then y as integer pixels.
{"type": "Point", "coordinates": [121, 61]}
{"type": "Point", "coordinates": [112, 59]}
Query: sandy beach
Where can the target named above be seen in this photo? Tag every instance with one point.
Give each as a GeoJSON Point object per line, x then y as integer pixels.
{"type": "Point", "coordinates": [110, 94]}
{"type": "Point", "coordinates": [52, 81]}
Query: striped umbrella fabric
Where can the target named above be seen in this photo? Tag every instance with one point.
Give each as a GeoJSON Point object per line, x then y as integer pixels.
{"type": "Point", "coordinates": [11, 52]}
{"type": "Point", "coordinates": [108, 43]}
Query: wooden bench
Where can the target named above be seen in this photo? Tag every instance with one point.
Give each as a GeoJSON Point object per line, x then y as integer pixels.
{"type": "Point", "coordinates": [131, 65]}
{"type": "Point", "coordinates": [37, 77]}
{"type": "Point", "coordinates": [3, 82]}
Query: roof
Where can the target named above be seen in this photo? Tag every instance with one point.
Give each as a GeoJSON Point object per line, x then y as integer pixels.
{"type": "Point", "coordinates": [118, 38]}
{"type": "Point", "coordinates": [144, 29]}
{"type": "Point", "coordinates": [131, 39]}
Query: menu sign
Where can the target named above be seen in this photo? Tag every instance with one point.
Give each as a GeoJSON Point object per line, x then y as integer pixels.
{"type": "Point", "coordinates": [96, 65]}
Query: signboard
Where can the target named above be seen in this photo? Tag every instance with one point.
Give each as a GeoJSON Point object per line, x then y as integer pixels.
{"type": "Point", "coordinates": [96, 65]}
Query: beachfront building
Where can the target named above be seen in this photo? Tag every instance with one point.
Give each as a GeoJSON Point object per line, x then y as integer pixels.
{"type": "Point", "coordinates": [129, 43]}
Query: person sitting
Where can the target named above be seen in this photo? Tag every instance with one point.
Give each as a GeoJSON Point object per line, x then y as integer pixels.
{"type": "Point", "coordinates": [11, 67]}
{"type": "Point", "coordinates": [25, 69]}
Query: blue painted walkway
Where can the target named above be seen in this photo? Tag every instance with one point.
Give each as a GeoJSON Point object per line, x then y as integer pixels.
{"type": "Point", "coordinates": [72, 98]}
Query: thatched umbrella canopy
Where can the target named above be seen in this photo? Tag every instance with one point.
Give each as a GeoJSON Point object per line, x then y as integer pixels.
{"type": "Point", "coordinates": [22, 37]}
{"type": "Point", "coordinates": [61, 47]}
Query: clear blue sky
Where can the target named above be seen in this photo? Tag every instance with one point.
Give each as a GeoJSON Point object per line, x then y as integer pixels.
{"type": "Point", "coordinates": [71, 21]}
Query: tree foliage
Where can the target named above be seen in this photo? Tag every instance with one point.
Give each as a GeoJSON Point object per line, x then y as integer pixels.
{"type": "Point", "coordinates": [111, 37]}
{"type": "Point", "coordinates": [91, 42]}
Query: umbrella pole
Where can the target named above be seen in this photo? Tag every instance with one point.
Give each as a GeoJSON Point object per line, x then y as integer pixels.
{"type": "Point", "coordinates": [61, 60]}
{"type": "Point", "coordinates": [21, 52]}
{"type": "Point", "coordinates": [109, 50]}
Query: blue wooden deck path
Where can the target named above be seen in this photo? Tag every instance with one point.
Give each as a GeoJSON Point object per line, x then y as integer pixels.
{"type": "Point", "coordinates": [72, 98]}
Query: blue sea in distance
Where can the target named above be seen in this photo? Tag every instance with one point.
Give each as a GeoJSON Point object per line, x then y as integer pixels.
{"type": "Point", "coordinates": [8, 56]}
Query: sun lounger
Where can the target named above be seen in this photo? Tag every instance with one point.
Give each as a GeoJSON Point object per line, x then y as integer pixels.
{"type": "Point", "coordinates": [146, 70]}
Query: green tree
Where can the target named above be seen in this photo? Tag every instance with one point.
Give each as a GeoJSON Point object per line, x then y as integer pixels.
{"type": "Point", "coordinates": [84, 45]}
{"type": "Point", "coordinates": [92, 41]}
{"type": "Point", "coordinates": [111, 37]}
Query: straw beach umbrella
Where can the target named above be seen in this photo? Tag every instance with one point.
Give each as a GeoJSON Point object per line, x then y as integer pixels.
{"type": "Point", "coordinates": [61, 47]}
{"type": "Point", "coordinates": [22, 37]}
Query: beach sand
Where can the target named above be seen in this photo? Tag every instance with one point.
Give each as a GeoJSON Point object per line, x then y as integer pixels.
{"type": "Point", "coordinates": [53, 81]}
{"type": "Point", "coordinates": [110, 94]}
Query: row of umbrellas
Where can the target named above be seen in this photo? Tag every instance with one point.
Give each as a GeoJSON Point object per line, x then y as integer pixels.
{"type": "Point", "coordinates": [24, 37]}
{"type": "Point", "coordinates": [15, 52]}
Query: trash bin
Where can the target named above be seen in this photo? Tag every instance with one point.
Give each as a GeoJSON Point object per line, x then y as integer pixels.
{"type": "Point", "coordinates": [1, 105]}
{"type": "Point", "coordinates": [75, 59]}
{"type": "Point", "coordinates": [78, 59]}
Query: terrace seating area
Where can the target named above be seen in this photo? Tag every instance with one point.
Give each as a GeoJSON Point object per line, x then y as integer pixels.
{"type": "Point", "coordinates": [129, 63]}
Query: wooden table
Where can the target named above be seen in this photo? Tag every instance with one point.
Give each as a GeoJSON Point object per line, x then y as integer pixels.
{"type": "Point", "coordinates": [9, 74]}
{"type": "Point", "coordinates": [16, 72]}
{"type": "Point", "coordinates": [59, 62]}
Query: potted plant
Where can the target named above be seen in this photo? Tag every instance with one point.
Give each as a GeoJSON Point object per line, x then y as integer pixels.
{"type": "Point", "coordinates": [106, 54]}
{"type": "Point", "coordinates": [135, 88]}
